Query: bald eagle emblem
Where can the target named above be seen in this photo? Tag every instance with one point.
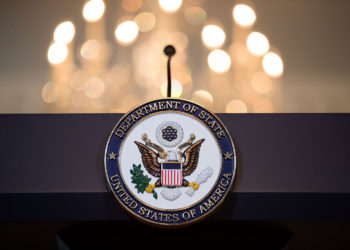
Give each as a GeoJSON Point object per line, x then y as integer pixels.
{"type": "Point", "coordinates": [170, 167]}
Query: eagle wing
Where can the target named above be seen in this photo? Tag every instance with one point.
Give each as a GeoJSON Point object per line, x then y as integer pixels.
{"type": "Point", "coordinates": [191, 158]}
{"type": "Point", "coordinates": [149, 159]}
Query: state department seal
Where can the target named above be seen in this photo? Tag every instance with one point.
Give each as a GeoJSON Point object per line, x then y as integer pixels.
{"type": "Point", "coordinates": [170, 162]}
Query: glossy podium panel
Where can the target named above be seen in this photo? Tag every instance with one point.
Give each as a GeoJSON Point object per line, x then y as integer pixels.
{"type": "Point", "coordinates": [290, 167]}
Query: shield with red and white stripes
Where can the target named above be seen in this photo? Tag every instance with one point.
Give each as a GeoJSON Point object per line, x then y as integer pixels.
{"type": "Point", "coordinates": [171, 173]}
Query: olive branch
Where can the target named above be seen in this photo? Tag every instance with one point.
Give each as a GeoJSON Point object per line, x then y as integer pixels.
{"type": "Point", "coordinates": [142, 181]}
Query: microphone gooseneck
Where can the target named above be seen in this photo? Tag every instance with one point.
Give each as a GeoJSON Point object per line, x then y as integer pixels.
{"type": "Point", "coordinates": [169, 51]}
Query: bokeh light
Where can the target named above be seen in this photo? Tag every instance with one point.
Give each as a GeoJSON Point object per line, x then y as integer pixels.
{"type": "Point", "coordinates": [145, 21]}
{"type": "Point", "coordinates": [244, 15]}
{"type": "Point", "coordinates": [95, 88]}
{"type": "Point", "coordinates": [213, 36]}
{"type": "Point", "coordinates": [261, 83]}
{"type": "Point", "coordinates": [170, 6]}
{"type": "Point", "coordinates": [63, 98]}
{"type": "Point", "coordinates": [262, 106]}
{"type": "Point", "coordinates": [195, 15]}
{"type": "Point", "coordinates": [126, 32]}
{"type": "Point", "coordinates": [64, 32]}
{"type": "Point", "coordinates": [219, 61]}
{"type": "Point", "coordinates": [57, 53]}
{"type": "Point", "coordinates": [90, 50]}
{"type": "Point", "coordinates": [103, 77]}
{"type": "Point", "coordinates": [79, 99]}
{"type": "Point", "coordinates": [180, 39]}
{"type": "Point", "coordinates": [176, 88]}
{"type": "Point", "coordinates": [78, 80]}
{"type": "Point", "coordinates": [118, 75]}
{"type": "Point", "coordinates": [258, 44]}
{"type": "Point", "coordinates": [93, 10]}
{"type": "Point", "coordinates": [130, 101]}
{"type": "Point", "coordinates": [48, 92]}
{"type": "Point", "coordinates": [236, 106]}
{"type": "Point", "coordinates": [131, 5]}
{"type": "Point", "coordinates": [203, 98]}
{"type": "Point", "coordinates": [273, 64]}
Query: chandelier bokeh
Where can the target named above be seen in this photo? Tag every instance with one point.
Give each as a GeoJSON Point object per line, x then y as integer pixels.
{"type": "Point", "coordinates": [240, 73]}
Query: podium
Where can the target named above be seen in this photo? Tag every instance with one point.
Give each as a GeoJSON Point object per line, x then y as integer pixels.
{"type": "Point", "coordinates": [291, 168]}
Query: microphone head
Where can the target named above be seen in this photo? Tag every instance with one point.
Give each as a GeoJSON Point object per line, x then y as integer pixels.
{"type": "Point", "coordinates": [169, 50]}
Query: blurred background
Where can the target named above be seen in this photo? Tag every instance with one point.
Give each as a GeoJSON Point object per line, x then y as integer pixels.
{"type": "Point", "coordinates": [79, 56]}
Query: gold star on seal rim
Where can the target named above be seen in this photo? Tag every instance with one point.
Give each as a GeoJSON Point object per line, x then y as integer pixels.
{"type": "Point", "coordinates": [112, 156]}
{"type": "Point", "coordinates": [228, 156]}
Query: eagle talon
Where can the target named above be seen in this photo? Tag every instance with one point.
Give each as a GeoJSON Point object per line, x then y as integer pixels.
{"type": "Point", "coordinates": [194, 185]}
{"type": "Point", "coordinates": [149, 188]}
{"type": "Point", "coordinates": [163, 155]}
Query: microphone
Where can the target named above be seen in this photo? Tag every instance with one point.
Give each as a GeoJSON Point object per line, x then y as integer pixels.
{"type": "Point", "coordinates": [169, 50]}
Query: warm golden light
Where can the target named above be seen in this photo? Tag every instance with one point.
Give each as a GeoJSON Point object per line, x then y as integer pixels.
{"type": "Point", "coordinates": [145, 21]}
{"type": "Point", "coordinates": [63, 98]}
{"type": "Point", "coordinates": [64, 32]}
{"type": "Point", "coordinates": [195, 15]}
{"type": "Point", "coordinates": [90, 50]}
{"type": "Point", "coordinates": [90, 74]}
{"type": "Point", "coordinates": [244, 15]}
{"type": "Point", "coordinates": [273, 65]}
{"type": "Point", "coordinates": [203, 97]}
{"type": "Point", "coordinates": [219, 61]}
{"type": "Point", "coordinates": [57, 53]}
{"type": "Point", "coordinates": [48, 93]}
{"type": "Point", "coordinates": [131, 5]}
{"type": "Point", "coordinates": [180, 39]}
{"type": "Point", "coordinates": [170, 6]}
{"type": "Point", "coordinates": [78, 80]}
{"type": "Point", "coordinates": [95, 88]}
{"type": "Point", "coordinates": [236, 106]}
{"type": "Point", "coordinates": [126, 32]}
{"type": "Point", "coordinates": [79, 99]}
{"type": "Point", "coordinates": [261, 83]}
{"type": "Point", "coordinates": [213, 36]}
{"type": "Point", "coordinates": [130, 101]}
{"type": "Point", "coordinates": [262, 106]}
{"type": "Point", "coordinates": [93, 10]}
{"type": "Point", "coordinates": [176, 88]}
{"type": "Point", "coordinates": [257, 43]}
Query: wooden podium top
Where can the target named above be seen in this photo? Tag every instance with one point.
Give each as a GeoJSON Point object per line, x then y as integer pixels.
{"type": "Point", "coordinates": [290, 166]}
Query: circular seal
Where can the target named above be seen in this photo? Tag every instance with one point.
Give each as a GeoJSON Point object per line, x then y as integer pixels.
{"type": "Point", "coordinates": [170, 184]}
